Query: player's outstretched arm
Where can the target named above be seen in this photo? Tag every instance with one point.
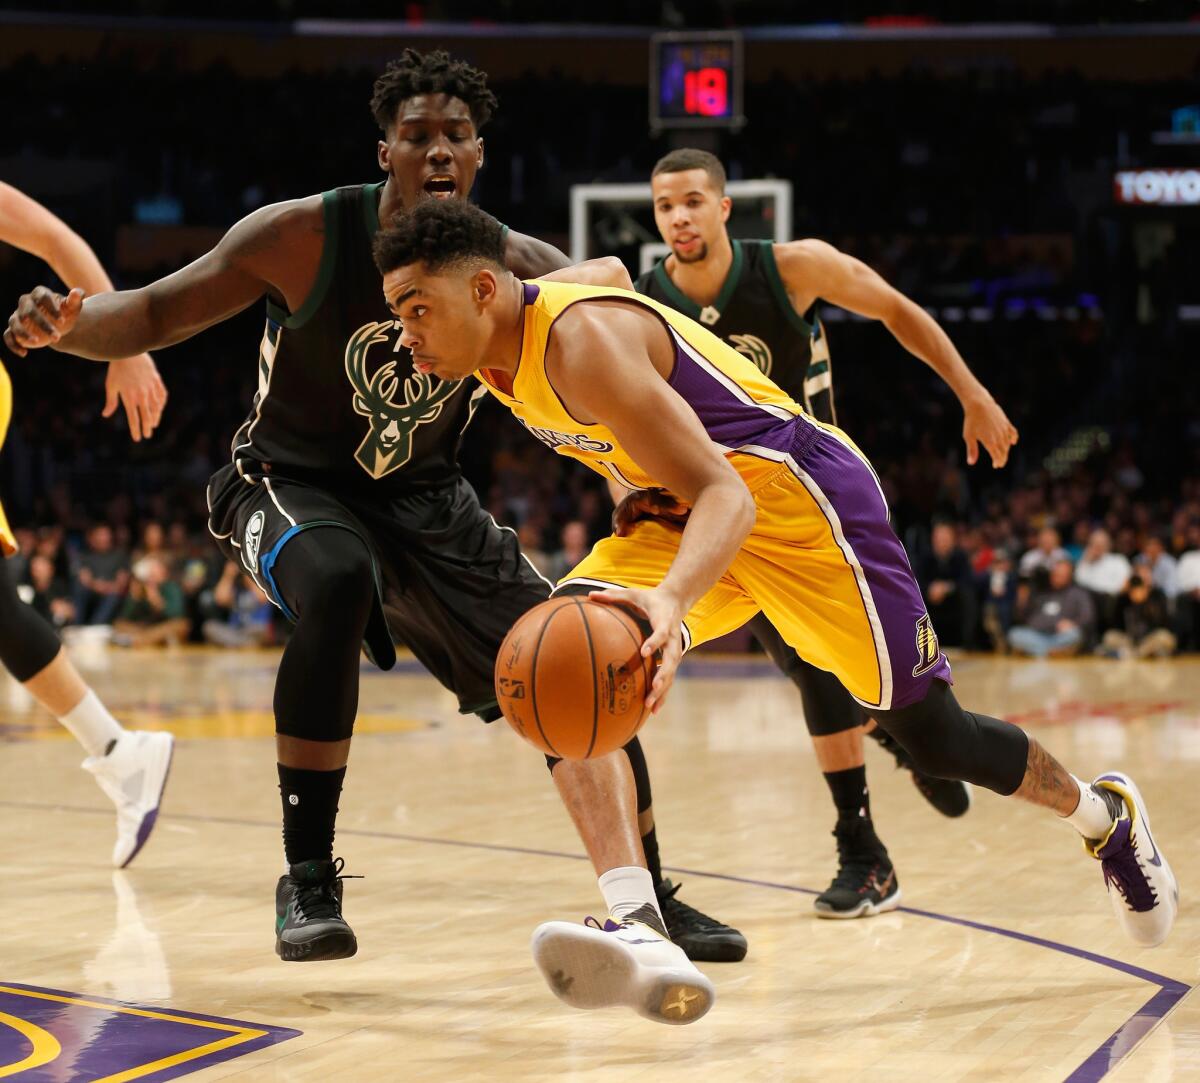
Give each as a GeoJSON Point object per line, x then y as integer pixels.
{"type": "Point", "coordinates": [609, 363]}
{"type": "Point", "coordinates": [250, 260]}
{"type": "Point", "coordinates": [133, 381]}
{"type": "Point", "coordinates": [812, 269]}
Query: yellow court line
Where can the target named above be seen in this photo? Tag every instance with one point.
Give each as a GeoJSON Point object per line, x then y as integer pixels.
{"type": "Point", "coordinates": [184, 1057]}
{"type": "Point", "coordinates": [45, 1046]}
{"type": "Point", "coordinates": [129, 1011]}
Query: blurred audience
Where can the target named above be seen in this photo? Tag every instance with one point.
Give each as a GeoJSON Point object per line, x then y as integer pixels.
{"type": "Point", "coordinates": [1142, 628]}
{"type": "Point", "coordinates": [1058, 619]}
{"type": "Point", "coordinates": [153, 613]}
{"type": "Point", "coordinates": [101, 577]}
{"type": "Point", "coordinates": [949, 588]}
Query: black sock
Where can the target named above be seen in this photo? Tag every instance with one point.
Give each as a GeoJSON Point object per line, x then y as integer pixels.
{"type": "Point", "coordinates": [653, 862]}
{"type": "Point", "coordinates": [310, 805]}
{"type": "Point", "coordinates": [849, 789]}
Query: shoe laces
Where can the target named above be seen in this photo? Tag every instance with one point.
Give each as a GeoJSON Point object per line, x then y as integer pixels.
{"type": "Point", "coordinates": [677, 913]}
{"type": "Point", "coordinates": [324, 899]}
{"type": "Point", "coordinates": [1123, 870]}
{"type": "Point", "coordinates": [859, 853]}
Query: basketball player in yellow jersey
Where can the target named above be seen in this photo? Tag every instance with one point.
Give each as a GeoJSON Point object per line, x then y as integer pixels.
{"type": "Point", "coordinates": [130, 766]}
{"type": "Point", "coordinates": [786, 517]}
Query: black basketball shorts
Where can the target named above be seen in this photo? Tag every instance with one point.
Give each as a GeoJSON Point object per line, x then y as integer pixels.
{"type": "Point", "coordinates": [449, 581]}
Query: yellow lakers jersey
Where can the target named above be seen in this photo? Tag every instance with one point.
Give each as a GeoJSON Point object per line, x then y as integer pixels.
{"type": "Point", "coordinates": [744, 413]}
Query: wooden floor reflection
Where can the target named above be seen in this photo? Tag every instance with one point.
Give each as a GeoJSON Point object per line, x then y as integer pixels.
{"type": "Point", "coordinates": [465, 849]}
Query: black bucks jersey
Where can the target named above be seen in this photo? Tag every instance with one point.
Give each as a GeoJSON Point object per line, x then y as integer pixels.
{"type": "Point", "coordinates": [338, 403]}
{"type": "Point", "coordinates": [754, 315]}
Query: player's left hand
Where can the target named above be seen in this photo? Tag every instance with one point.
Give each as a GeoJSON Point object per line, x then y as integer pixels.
{"type": "Point", "coordinates": [985, 423]}
{"type": "Point", "coordinates": [135, 382]}
{"type": "Point", "coordinates": [665, 614]}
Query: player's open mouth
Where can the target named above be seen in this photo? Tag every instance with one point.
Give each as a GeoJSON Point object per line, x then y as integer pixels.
{"type": "Point", "coordinates": [441, 186]}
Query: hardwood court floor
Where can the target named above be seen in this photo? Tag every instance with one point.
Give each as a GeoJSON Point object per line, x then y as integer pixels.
{"type": "Point", "coordinates": [985, 975]}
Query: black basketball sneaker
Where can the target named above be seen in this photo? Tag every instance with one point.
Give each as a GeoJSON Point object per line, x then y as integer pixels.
{"type": "Point", "coordinates": [866, 882]}
{"type": "Point", "coordinates": [308, 914]}
{"type": "Point", "coordinates": [950, 798]}
{"type": "Point", "coordinates": [703, 939]}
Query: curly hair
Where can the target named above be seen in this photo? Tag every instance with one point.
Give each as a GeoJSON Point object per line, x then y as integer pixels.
{"type": "Point", "coordinates": [440, 233]}
{"type": "Point", "coordinates": [431, 73]}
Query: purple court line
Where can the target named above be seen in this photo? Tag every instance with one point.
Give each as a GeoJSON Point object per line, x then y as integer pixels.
{"type": "Point", "coordinates": [1120, 1044]}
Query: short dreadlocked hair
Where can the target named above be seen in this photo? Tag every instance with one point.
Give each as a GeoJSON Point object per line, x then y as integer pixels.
{"type": "Point", "coordinates": [431, 73]}
{"type": "Point", "coordinates": [440, 233]}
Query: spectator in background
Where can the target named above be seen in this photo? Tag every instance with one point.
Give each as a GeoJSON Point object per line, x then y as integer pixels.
{"type": "Point", "coordinates": [1044, 555]}
{"type": "Point", "coordinates": [999, 599]}
{"type": "Point", "coordinates": [1142, 628]}
{"type": "Point", "coordinates": [241, 614]}
{"type": "Point", "coordinates": [48, 593]}
{"type": "Point", "coordinates": [1187, 602]}
{"type": "Point", "coordinates": [1103, 574]}
{"type": "Point", "coordinates": [949, 588]}
{"type": "Point", "coordinates": [153, 614]}
{"type": "Point", "coordinates": [1160, 566]}
{"type": "Point", "coordinates": [1058, 620]}
{"type": "Point", "coordinates": [574, 539]}
{"type": "Point", "coordinates": [101, 578]}
{"type": "Point", "coordinates": [530, 537]}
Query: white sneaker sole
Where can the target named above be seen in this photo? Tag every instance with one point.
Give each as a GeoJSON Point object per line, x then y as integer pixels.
{"type": "Point", "coordinates": [865, 909]}
{"type": "Point", "coordinates": [590, 969]}
{"type": "Point", "coordinates": [1137, 930]}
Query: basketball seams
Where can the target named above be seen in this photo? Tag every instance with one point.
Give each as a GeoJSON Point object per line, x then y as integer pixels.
{"type": "Point", "coordinates": [533, 678]}
{"type": "Point", "coordinates": [587, 631]}
{"type": "Point", "coordinates": [644, 662]}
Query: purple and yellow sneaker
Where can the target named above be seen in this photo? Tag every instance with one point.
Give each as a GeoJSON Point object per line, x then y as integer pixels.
{"type": "Point", "coordinates": [1140, 884]}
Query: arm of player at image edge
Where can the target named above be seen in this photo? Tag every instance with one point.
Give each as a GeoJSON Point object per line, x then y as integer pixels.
{"type": "Point", "coordinates": [133, 381]}
{"type": "Point", "coordinates": [602, 362]}
{"type": "Point", "coordinates": [812, 268]}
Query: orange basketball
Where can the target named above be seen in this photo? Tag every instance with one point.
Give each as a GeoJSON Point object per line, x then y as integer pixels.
{"type": "Point", "coordinates": [571, 679]}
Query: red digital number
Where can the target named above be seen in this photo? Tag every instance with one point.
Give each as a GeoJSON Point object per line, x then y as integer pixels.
{"type": "Point", "coordinates": [706, 92]}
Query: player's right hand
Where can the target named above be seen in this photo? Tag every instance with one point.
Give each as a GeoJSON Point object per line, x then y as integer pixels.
{"type": "Point", "coordinates": [647, 504]}
{"type": "Point", "coordinates": [41, 319]}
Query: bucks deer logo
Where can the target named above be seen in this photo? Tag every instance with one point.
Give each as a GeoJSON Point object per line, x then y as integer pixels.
{"type": "Point", "coordinates": [389, 440]}
{"type": "Point", "coordinates": [753, 347]}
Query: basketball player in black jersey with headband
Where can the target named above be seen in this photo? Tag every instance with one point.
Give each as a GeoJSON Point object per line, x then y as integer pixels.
{"type": "Point", "coordinates": [761, 297]}
{"type": "Point", "coordinates": [344, 499]}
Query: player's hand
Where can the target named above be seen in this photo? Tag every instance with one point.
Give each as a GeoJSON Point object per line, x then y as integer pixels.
{"type": "Point", "coordinates": [647, 504]}
{"type": "Point", "coordinates": [41, 319]}
{"type": "Point", "coordinates": [665, 614]}
{"type": "Point", "coordinates": [985, 423]}
{"type": "Point", "coordinates": [135, 382]}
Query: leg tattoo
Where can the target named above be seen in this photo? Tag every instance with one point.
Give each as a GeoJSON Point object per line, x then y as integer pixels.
{"type": "Point", "coordinates": [1047, 782]}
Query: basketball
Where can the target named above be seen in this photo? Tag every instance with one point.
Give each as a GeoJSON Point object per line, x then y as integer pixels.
{"type": "Point", "coordinates": [571, 679]}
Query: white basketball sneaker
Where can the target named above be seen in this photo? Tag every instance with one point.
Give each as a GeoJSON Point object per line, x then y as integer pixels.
{"type": "Point", "coordinates": [1141, 886]}
{"type": "Point", "coordinates": [630, 962]}
{"type": "Point", "coordinates": [134, 775]}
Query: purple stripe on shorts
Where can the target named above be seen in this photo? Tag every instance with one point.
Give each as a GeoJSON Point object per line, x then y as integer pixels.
{"type": "Point", "coordinates": [730, 421]}
{"type": "Point", "coordinates": [858, 515]}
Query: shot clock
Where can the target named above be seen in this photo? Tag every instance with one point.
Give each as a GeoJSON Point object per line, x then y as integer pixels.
{"type": "Point", "coordinates": [696, 81]}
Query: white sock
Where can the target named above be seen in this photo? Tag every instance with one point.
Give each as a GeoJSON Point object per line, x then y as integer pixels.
{"type": "Point", "coordinates": [626, 889]}
{"type": "Point", "coordinates": [92, 725]}
{"type": "Point", "coordinates": [1092, 817]}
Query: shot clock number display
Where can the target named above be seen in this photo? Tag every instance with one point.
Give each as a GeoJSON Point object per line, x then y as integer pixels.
{"type": "Point", "coordinates": [696, 81]}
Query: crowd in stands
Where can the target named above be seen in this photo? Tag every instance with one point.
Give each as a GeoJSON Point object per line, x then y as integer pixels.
{"type": "Point", "coordinates": [1094, 549]}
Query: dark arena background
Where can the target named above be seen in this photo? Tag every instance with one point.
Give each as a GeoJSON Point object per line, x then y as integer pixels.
{"type": "Point", "coordinates": [1028, 174]}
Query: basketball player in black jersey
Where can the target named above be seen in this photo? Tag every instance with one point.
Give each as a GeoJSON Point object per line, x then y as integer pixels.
{"type": "Point", "coordinates": [344, 498]}
{"type": "Point", "coordinates": [761, 297]}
